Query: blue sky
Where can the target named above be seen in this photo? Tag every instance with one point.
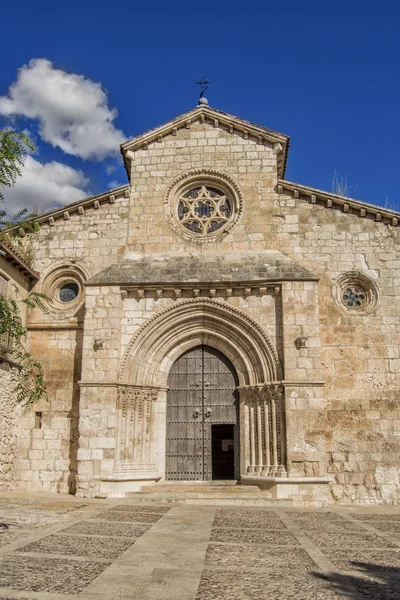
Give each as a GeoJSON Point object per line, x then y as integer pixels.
{"type": "Point", "coordinates": [327, 74]}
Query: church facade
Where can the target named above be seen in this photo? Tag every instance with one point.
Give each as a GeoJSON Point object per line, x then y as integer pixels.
{"type": "Point", "coordinates": [212, 320]}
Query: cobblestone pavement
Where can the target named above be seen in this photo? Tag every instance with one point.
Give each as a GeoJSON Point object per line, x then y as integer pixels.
{"type": "Point", "coordinates": [64, 548]}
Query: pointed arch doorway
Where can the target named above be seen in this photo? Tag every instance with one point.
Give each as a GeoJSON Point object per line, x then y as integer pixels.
{"type": "Point", "coordinates": [202, 428]}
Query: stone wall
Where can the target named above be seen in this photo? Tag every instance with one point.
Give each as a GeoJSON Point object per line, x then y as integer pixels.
{"type": "Point", "coordinates": [253, 166]}
{"type": "Point", "coordinates": [9, 413]}
{"type": "Point", "coordinates": [360, 352]}
{"type": "Point", "coordinates": [17, 288]}
{"type": "Point", "coordinates": [85, 242]}
{"type": "Point", "coordinates": [350, 424]}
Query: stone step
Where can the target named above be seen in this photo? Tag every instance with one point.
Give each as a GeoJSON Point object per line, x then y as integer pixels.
{"type": "Point", "coordinates": [214, 498]}
{"type": "Point", "coordinates": [199, 487]}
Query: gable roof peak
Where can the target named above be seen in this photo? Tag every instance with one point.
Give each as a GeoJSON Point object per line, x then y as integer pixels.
{"type": "Point", "coordinates": [217, 118]}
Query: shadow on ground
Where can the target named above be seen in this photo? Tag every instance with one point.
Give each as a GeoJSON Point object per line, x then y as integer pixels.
{"type": "Point", "coordinates": [374, 582]}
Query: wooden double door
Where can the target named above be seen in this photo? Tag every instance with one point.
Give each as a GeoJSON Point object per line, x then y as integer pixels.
{"type": "Point", "coordinates": [202, 439]}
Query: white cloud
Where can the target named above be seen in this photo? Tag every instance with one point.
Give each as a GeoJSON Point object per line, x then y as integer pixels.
{"type": "Point", "coordinates": [46, 186]}
{"type": "Point", "coordinates": [110, 169]}
{"type": "Point", "coordinates": [72, 110]}
{"type": "Point", "coordinates": [114, 184]}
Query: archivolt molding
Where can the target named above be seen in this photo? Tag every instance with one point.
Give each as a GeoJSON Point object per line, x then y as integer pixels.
{"type": "Point", "coordinates": [165, 336]}
{"type": "Point", "coordinates": [215, 177]}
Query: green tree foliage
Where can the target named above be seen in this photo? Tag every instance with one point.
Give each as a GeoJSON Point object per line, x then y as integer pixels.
{"type": "Point", "coordinates": [27, 373]}
{"type": "Point", "coordinates": [13, 151]}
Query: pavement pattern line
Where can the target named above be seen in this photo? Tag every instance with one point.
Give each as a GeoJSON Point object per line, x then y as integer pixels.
{"type": "Point", "coordinates": [165, 563]}
{"type": "Point", "coordinates": [326, 554]}
{"type": "Point", "coordinates": [322, 561]}
{"type": "Point", "coordinates": [371, 529]}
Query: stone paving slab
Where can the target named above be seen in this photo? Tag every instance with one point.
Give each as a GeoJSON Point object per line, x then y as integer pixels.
{"type": "Point", "coordinates": [107, 529]}
{"type": "Point", "coordinates": [253, 536]}
{"type": "Point", "coordinates": [257, 556]}
{"type": "Point", "coordinates": [131, 517]}
{"type": "Point", "coordinates": [111, 550]}
{"type": "Point", "coordinates": [374, 516]}
{"type": "Point", "coordinates": [80, 546]}
{"type": "Point", "coordinates": [245, 518]}
{"type": "Point", "coordinates": [40, 574]}
{"type": "Point", "coordinates": [364, 559]}
{"type": "Point", "coordinates": [391, 527]}
{"type": "Point", "coordinates": [13, 535]}
{"type": "Point", "coordinates": [331, 527]}
{"type": "Point", "coordinates": [373, 588]}
{"type": "Point", "coordinates": [243, 585]}
{"type": "Point", "coordinates": [348, 540]}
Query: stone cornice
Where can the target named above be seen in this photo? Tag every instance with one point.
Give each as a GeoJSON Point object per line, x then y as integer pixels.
{"type": "Point", "coordinates": [65, 212]}
{"type": "Point", "coordinates": [54, 325]}
{"type": "Point", "coordinates": [346, 205]}
{"type": "Point", "coordinates": [217, 118]}
{"type": "Point", "coordinates": [201, 290]}
{"type": "Point", "coordinates": [318, 383]}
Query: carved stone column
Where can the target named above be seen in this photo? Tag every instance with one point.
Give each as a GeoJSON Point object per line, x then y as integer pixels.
{"type": "Point", "coordinates": [135, 433]}
{"type": "Point", "coordinates": [263, 432]}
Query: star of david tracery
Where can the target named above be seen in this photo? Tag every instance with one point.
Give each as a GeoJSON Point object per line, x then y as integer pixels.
{"type": "Point", "coordinates": [203, 210]}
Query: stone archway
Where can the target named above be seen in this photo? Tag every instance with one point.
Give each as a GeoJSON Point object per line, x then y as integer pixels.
{"type": "Point", "coordinates": [158, 343]}
{"type": "Point", "coordinates": [143, 379]}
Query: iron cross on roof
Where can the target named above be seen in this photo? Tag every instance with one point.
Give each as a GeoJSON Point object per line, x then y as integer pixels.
{"type": "Point", "coordinates": [204, 85]}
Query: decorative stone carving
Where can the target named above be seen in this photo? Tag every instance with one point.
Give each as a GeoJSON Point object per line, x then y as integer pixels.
{"type": "Point", "coordinates": [135, 432]}
{"type": "Point", "coordinates": [356, 292]}
{"type": "Point", "coordinates": [196, 316]}
{"type": "Point", "coordinates": [264, 429]}
{"type": "Point", "coordinates": [216, 206]}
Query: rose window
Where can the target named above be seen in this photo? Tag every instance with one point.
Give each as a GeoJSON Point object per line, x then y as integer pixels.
{"type": "Point", "coordinates": [354, 297]}
{"type": "Point", "coordinates": [204, 210]}
{"type": "Point", "coordinates": [356, 292]}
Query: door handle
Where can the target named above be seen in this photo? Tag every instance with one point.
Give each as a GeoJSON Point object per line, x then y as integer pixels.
{"type": "Point", "coordinates": [195, 414]}
{"type": "Point", "coordinates": [208, 412]}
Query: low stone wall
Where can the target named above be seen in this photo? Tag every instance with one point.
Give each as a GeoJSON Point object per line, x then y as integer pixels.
{"type": "Point", "coordinates": [8, 427]}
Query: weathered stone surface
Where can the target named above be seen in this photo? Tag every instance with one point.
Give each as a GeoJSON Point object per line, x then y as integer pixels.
{"type": "Point", "coordinates": [339, 367]}
{"type": "Point", "coordinates": [43, 575]}
{"type": "Point", "coordinates": [219, 585]}
{"type": "Point", "coordinates": [249, 266]}
{"type": "Point", "coordinates": [78, 545]}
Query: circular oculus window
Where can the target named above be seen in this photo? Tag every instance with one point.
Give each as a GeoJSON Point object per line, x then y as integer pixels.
{"type": "Point", "coordinates": [204, 203]}
{"type": "Point", "coordinates": [356, 292]}
{"type": "Point", "coordinates": [64, 287]}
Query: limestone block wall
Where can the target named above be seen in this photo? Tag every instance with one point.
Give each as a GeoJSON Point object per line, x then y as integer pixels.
{"type": "Point", "coordinates": [9, 414]}
{"type": "Point", "coordinates": [87, 241]}
{"type": "Point", "coordinates": [98, 400]}
{"type": "Point", "coordinates": [360, 352]}
{"type": "Point", "coordinates": [93, 237]}
{"type": "Point", "coordinates": [48, 435]}
{"type": "Point", "coordinates": [17, 288]}
{"type": "Point", "coordinates": [305, 402]}
{"type": "Point", "coordinates": [350, 424]}
{"type": "Point", "coordinates": [153, 171]}
{"type": "Point", "coordinates": [113, 318]}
